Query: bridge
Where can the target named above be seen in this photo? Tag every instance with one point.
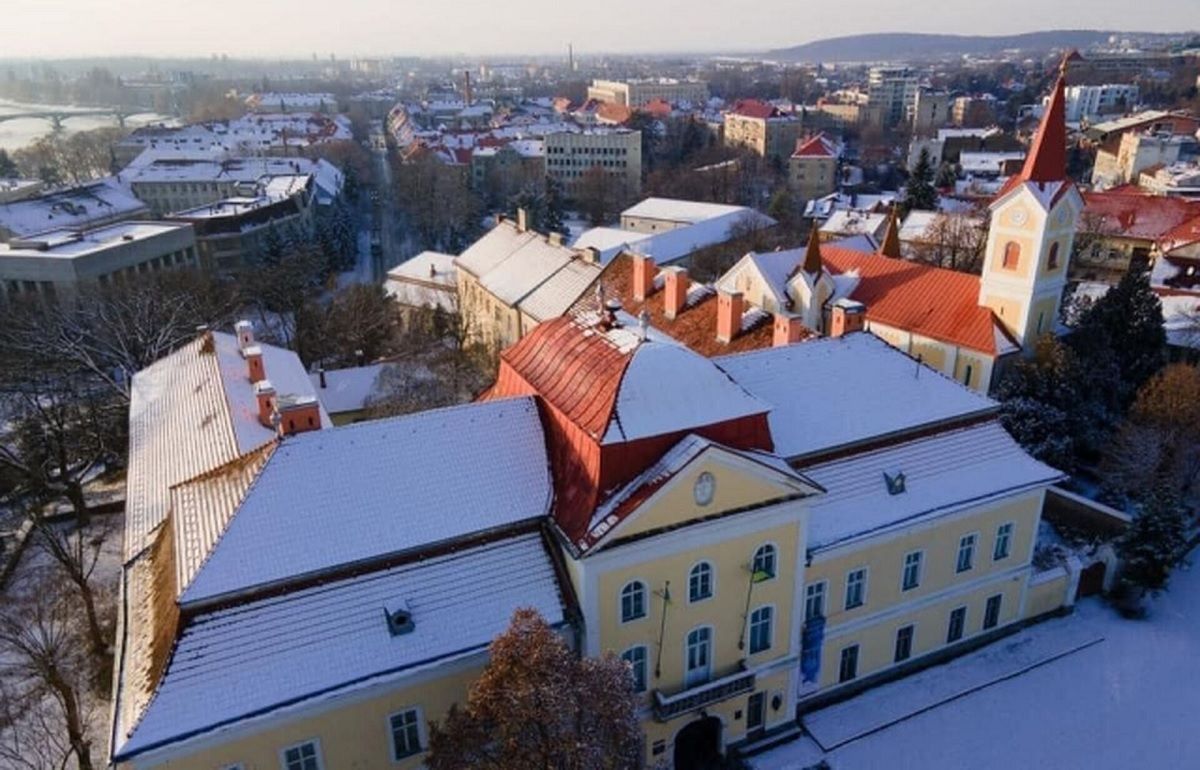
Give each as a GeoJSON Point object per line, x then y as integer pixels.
{"type": "Point", "coordinates": [57, 117]}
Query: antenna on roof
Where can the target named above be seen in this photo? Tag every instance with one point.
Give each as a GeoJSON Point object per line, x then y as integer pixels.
{"type": "Point", "coordinates": [917, 375]}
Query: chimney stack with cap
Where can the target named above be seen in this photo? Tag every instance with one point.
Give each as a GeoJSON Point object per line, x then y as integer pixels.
{"type": "Point", "coordinates": [245, 334]}
{"type": "Point", "coordinates": [847, 316]}
{"type": "Point", "coordinates": [255, 368]}
{"type": "Point", "coordinates": [675, 290]}
{"type": "Point", "coordinates": [644, 269]}
{"type": "Point", "coordinates": [264, 393]}
{"type": "Point", "coordinates": [788, 330]}
{"type": "Point", "coordinates": [298, 414]}
{"type": "Point", "coordinates": [730, 306]}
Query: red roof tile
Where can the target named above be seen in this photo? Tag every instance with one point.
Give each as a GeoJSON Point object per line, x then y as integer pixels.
{"type": "Point", "coordinates": [817, 147]}
{"type": "Point", "coordinates": [754, 108]}
{"type": "Point", "coordinates": [1137, 215]}
{"type": "Point", "coordinates": [931, 301]}
{"type": "Point", "coordinates": [1185, 234]}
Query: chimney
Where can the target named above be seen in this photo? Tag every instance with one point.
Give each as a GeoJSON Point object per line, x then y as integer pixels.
{"type": "Point", "coordinates": [611, 308]}
{"type": "Point", "coordinates": [554, 239]}
{"type": "Point", "coordinates": [255, 368]}
{"type": "Point", "coordinates": [675, 291]}
{"type": "Point", "coordinates": [644, 269]}
{"type": "Point", "coordinates": [321, 378]}
{"type": "Point", "coordinates": [298, 414]}
{"type": "Point", "coordinates": [264, 393]}
{"type": "Point", "coordinates": [788, 330]}
{"type": "Point", "coordinates": [245, 334]}
{"type": "Point", "coordinates": [848, 316]}
{"type": "Point", "coordinates": [729, 315]}
{"type": "Point", "coordinates": [522, 220]}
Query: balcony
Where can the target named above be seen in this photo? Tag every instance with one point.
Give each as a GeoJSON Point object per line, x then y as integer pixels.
{"type": "Point", "coordinates": [668, 707]}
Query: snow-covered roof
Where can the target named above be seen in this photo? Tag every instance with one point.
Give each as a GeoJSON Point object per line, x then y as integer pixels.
{"type": "Point", "coordinates": [561, 290]}
{"type": "Point", "coordinates": [347, 390]}
{"type": "Point", "coordinates": [190, 413]}
{"type": "Point", "coordinates": [426, 280]}
{"type": "Point", "coordinates": [672, 245]}
{"type": "Point", "coordinates": [410, 482]}
{"type": "Point", "coordinates": [865, 390]}
{"type": "Point", "coordinates": [842, 222]}
{"type": "Point", "coordinates": [942, 473]}
{"type": "Point", "coordinates": [73, 244]}
{"type": "Point", "coordinates": [105, 200]}
{"type": "Point", "coordinates": [609, 241]}
{"type": "Point", "coordinates": [676, 210]}
{"type": "Point", "coordinates": [667, 387]}
{"type": "Point", "coordinates": [346, 643]}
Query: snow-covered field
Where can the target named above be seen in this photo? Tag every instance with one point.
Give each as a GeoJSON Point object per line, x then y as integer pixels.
{"type": "Point", "coordinates": [1128, 701]}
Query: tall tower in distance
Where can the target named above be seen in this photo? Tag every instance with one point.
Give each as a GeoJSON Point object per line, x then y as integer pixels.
{"type": "Point", "coordinates": [1032, 232]}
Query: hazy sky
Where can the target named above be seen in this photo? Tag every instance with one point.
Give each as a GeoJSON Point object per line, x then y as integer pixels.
{"type": "Point", "coordinates": [271, 28]}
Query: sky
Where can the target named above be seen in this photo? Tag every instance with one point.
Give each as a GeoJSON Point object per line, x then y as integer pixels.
{"type": "Point", "coordinates": [286, 28]}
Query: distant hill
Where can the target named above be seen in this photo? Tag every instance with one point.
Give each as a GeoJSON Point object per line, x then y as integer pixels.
{"type": "Point", "coordinates": [898, 46]}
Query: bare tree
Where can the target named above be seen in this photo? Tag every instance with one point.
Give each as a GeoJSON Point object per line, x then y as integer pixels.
{"type": "Point", "coordinates": [76, 552]}
{"type": "Point", "coordinates": [956, 241]}
{"type": "Point", "coordinates": [43, 665]}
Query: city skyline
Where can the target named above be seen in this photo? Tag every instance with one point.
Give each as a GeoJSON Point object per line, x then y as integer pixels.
{"type": "Point", "coordinates": [301, 28]}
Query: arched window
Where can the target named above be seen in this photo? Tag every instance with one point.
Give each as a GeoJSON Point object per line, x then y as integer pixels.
{"type": "Point", "coordinates": [763, 566]}
{"type": "Point", "coordinates": [1012, 255]}
{"type": "Point", "coordinates": [636, 658]}
{"type": "Point", "coordinates": [700, 582]}
{"type": "Point", "coordinates": [633, 601]}
{"type": "Point", "coordinates": [1052, 262]}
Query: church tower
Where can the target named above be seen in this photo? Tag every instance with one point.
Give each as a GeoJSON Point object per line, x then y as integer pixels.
{"type": "Point", "coordinates": [1032, 233]}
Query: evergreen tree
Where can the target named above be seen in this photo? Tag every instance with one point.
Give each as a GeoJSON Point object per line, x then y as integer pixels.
{"type": "Point", "coordinates": [8, 169]}
{"type": "Point", "coordinates": [782, 208]}
{"type": "Point", "coordinates": [920, 193]}
{"type": "Point", "coordinates": [1153, 544]}
{"type": "Point", "coordinates": [1125, 324]}
{"type": "Point", "coordinates": [947, 175]}
{"type": "Point", "coordinates": [553, 214]}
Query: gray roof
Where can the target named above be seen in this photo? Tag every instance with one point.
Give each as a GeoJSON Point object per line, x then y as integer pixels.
{"type": "Point", "coordinates": [330, 639]}
{"type": "Point", "coordinates": [380, 488]}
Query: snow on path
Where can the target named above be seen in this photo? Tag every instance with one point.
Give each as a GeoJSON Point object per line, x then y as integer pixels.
{"type": "Point", "coordinates": [1130, 701]}
{"type": "Point", "coordinates": [844, 722]}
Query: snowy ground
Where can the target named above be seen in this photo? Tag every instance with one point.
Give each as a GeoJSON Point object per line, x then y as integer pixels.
{"type": "Point", "coordinates": [1127, 701]}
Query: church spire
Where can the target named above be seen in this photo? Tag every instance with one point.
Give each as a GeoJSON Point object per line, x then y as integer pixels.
{"type": "Point", "coordinates": [890, 246]}
{"type": "Point", "coordinates": [1047, 159]}
{"type": "Point", "coordinates": [812, 257]}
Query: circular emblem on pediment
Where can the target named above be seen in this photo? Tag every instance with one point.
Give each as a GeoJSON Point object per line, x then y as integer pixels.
{"type": "Point", "coordinates": [705, 488]}
{"type": "Point", "coordinates": [1020, 217]}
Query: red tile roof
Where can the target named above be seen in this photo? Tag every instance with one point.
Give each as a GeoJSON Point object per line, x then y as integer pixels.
{"type": "Point", "coordinates": [1047, 158]}
{"type": "Point", "coordinates": [817, 147]}
{"type": "Point", "coordinates": [695, 327]}
{"type": "Point", "coordinates": [1185, 234]}
{"type": "Point", "coordinates": [659, 108]}
{"type": "Point", "coordinates": [614, 113]}
{"type": "Point", "coordinates": [1137, 215]}
{"type": "Point", "coordinates": [926, 300]}
{"type": "Point", "coordinates": [754, 108]}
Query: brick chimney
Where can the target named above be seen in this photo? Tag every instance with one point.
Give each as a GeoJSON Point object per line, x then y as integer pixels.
{"type": "Point", "coordinates": [848, 316]}
{"type": "Point", "coordinates": [729, 315]}
{"type": "Point", "coordinates": [644, 270]}
{"type": "Point", "coordinates": [245, 334]}
{"type": "Point", "coordinates": [788, 331]}
{"type": "Point", "coordinates": [298, 414]}
{"type": "Point", "coordinates": [264, 393]}
{"type": "Point", "coordinates": [255, 368]}
{"type": "Point", "coordinates": [675, 291]}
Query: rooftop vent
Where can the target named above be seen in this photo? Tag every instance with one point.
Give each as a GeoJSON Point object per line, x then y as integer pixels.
{"type": "Point", "coordinates": [399, 617]}
{"type": "Point", "coordinates": [895, 482]}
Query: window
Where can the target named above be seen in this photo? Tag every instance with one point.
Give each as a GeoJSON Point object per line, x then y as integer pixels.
{"type": "Point", "coordinates": [1003, 542]}
{"type": "Point", "coordinates": [636, 658]}
{"type": "Point", "coordinates": [958, 623]}
{"type": "Point", "coordinates": [633, 601]}
{"type": "Point", "coordinates": [1052, 262]}
{"type": "Point", "coordinates": [760, 629]}
{"type": "Point", "coordinates": [700, 582]}
{"type": "Point", "coordinates": [699, 656]}
{"type": "Point", "coordinates": [302, 756]}
{"type": "Point", "coordinates": [1012, 255]}
{"type": "Point", "coordinates": [966, 553]}
{"type": "Point", "coordinates": [814, 600]}
{"type": "Point", "coordinates": [967, 375]}
{"type": "Point", "coordinates": [904, 641]}
{"type": "Point", "coordinates": [991, 613]}
{"type": "Point", "coordinates": [856, 588]}
{"type": "Point", "coordinates": [763, 566]}
{"type": "Point", "coordinates": [848, 667]}
{"type": "Point", "coordinates": [1041, 320]}
{"type": "Point", "coordinates": [912, 571]}
{"type": "Point", "coordinates": [406, 733]}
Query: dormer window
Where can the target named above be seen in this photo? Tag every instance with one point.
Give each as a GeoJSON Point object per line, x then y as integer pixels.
{"type": "Point", "coordinates": [1052, 261]}
{"type": "Point", "coordinates": [895, 482]}
{"type": "Point", "coordinates": [399, 617]}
